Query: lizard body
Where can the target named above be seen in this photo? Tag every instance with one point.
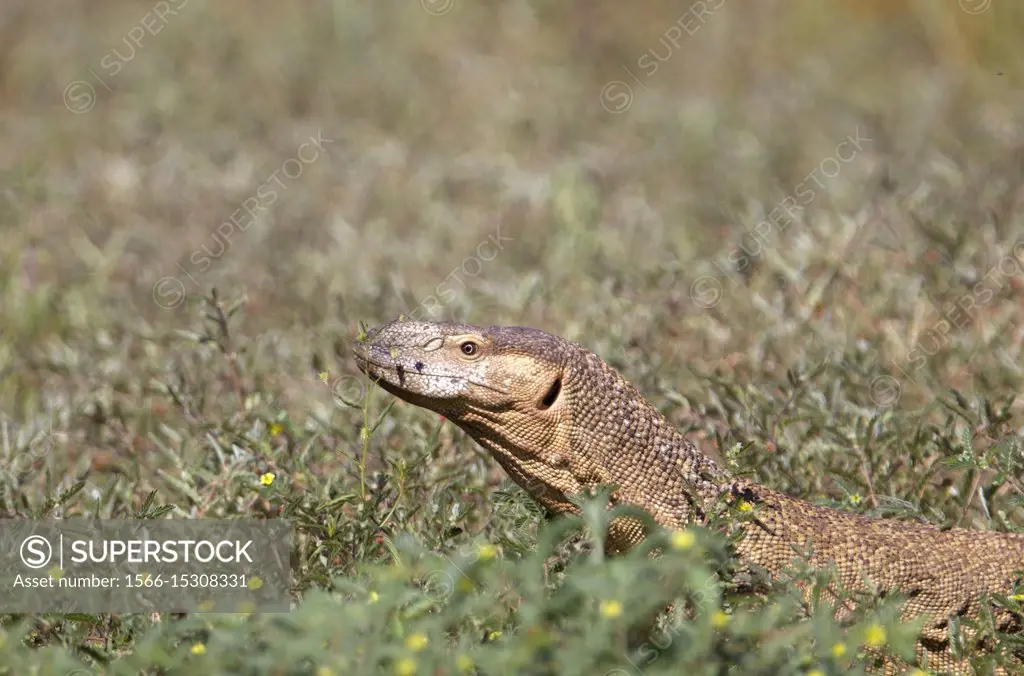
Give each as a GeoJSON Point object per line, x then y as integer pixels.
{"type": "Point", "coordinates": [559, 420]}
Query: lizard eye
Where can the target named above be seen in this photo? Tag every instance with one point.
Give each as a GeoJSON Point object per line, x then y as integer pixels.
{"type": "Point", "coordinates": [469, 348]}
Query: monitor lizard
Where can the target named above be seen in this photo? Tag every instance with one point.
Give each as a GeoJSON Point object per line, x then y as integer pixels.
{"type": "Point", "coordinates": [560, 420]}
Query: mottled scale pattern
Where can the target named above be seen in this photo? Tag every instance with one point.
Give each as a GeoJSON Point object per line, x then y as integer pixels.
{"type": "Point", "coordinates": [559, 419]}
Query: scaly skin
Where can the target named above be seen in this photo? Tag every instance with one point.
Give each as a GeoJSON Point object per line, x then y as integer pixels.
{"type": "Point", "coordinates": [560, 420]}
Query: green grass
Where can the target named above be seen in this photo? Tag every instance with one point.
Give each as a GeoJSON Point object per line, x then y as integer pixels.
{"type": "Point", "coordinates": [470, 157]}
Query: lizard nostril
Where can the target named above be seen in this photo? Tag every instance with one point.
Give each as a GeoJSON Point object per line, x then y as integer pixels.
{"type": "Point", "coordinates": [419, 366]}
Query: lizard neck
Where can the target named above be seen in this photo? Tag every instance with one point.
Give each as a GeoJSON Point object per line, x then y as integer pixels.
{"type": "Point", "coordinates": [622, 439]}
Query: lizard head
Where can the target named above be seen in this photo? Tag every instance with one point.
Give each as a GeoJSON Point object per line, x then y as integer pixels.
{"type": "Point", "coordinates": [463, 371]}
{"type": "Point", "coordinates": [506, 386]}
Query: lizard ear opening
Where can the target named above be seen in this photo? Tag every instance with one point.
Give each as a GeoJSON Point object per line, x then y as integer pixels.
{"type": "Point", "coordinates": [552, 394]}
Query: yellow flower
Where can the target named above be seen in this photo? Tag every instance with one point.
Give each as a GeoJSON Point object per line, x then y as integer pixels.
{"type": "Point", "coordinates": [1017, 597]}
{"type": "Point", "coordinates": [610, 609]}
{"type": "Point", "coordinates": [276, 429]}
{"type": "Point", "coordinates": [405, 667]}
{"type": "Point", "coordinates": [486, 552]}
{"type": "Point", "coordinates": [267, 478]}
{"type": "Point", "coordinates": [324, 671]}
{"type": "Point", "coordinates": [744, 506]}
{"type": "Point", "coordinates": [254, 583]}
{"type": "Point", "coordinates": [198, 649]}
{"type": "Point", "coordinates": [416, 642]}
{"type": "Point", "coordinates": [874, 636]}
{"type": "Point", "coordinates": [465, 585]}
{"type": "Point", "coordinates": [815, 672]}
{"type": "Point", "coordinates": [855, 499]}
{"type": "Point", "coordinates": [464, 664]}
{"type": "Point", "coordinates": [683, 539]}
{"type": "Point", "coordinates": [838, 650]}
{"type": "Point", "coordinates": [493, 636]}
{"type": "Point", "coordinates": [324, 376]}
{"type": "Point", "coordinates": [719, 619]}
{"type": "Point", "coordinates": [374, 597]}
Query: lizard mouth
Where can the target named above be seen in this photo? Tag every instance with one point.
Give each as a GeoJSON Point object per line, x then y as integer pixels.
{"type": "Point", "coordinates": [394, 376]}
{"type": "Point", "coordinates": [362, 357]}
{"type": "Point", "coordinates": [378, 372]}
